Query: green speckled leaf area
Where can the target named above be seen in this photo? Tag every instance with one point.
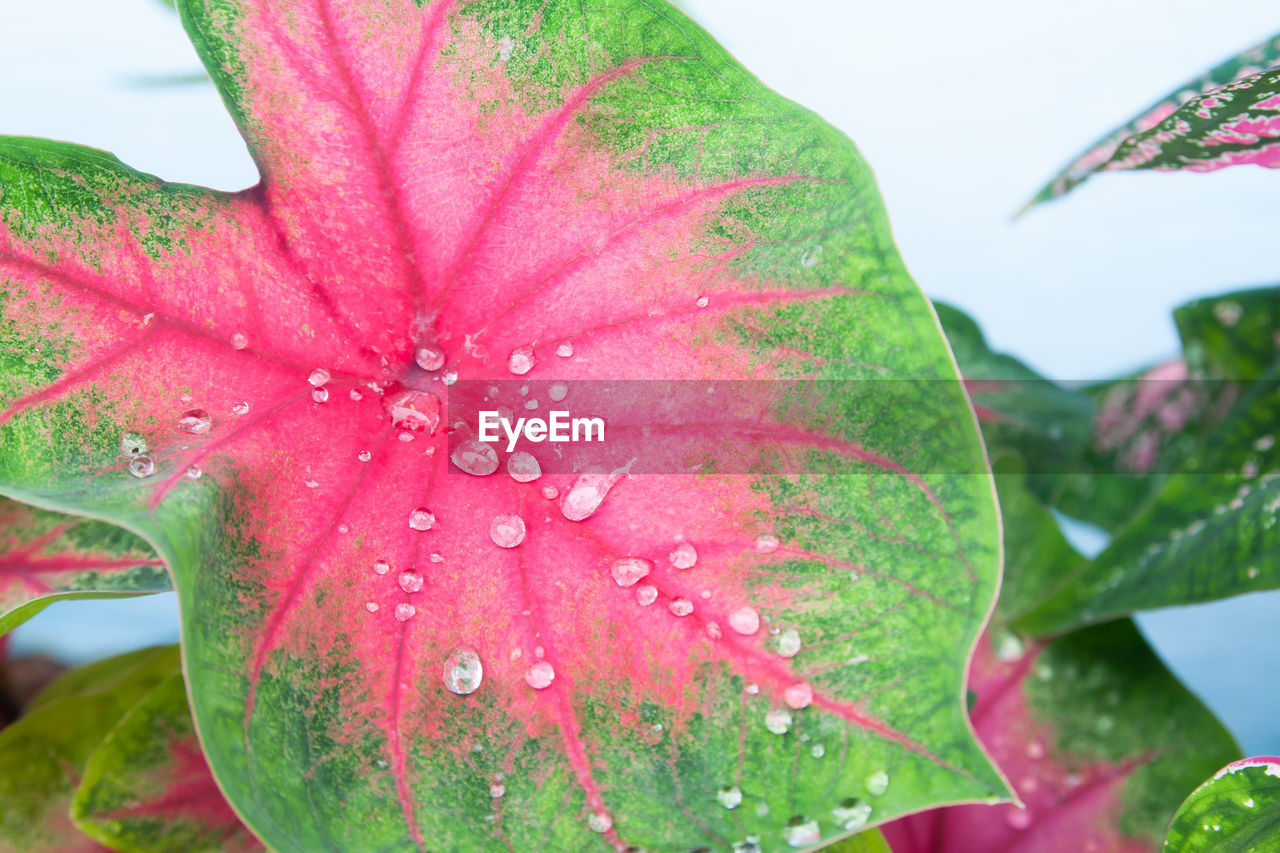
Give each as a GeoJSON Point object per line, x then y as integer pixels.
{"type": "Point", "coordinates": [148, 789]}
{"type": "Point", "coordinates": [46, 557]}
{"type": "Point", "coordinates": [1183, 131]}
{"type": "Point", "coordinates": [43, 754]}
{"type": "Point", "coordinates": [1236, 810]}
{"type": "Point", "coordinates": [390, 647]}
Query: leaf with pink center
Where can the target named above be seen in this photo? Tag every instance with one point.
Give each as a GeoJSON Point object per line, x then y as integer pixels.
{"type": "Point", "coordinates": [386, 621]}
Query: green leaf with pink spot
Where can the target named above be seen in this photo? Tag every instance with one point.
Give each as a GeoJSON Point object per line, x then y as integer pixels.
{"type": "Point", "coordinates": [465, 191]}
{"type": "Point", "coordinates": [1237, 809]}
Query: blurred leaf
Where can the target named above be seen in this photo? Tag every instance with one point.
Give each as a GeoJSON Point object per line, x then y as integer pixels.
{"type": "Point", "coordinates": [869, 841]}
{"type": "Point", "coordinates": [1238, 809]}
{"type": "Point", "coordinates": [1140, 134]}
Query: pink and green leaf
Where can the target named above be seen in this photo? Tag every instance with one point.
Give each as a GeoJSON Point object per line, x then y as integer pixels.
{"type": "Point", "coordinates": [1227, 116]}
{"type": "Point", "coordinates": [147, 788]}
{"type": "Point", "coordinates": [487, 179]}
{"type": "Point", "coordinates": [46, 557]}
{"type": "Point", "coordinates": [1238, 809]}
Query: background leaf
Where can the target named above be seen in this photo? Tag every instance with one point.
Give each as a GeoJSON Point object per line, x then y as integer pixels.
{"type": "Point", "coordinates": [1237, 809]}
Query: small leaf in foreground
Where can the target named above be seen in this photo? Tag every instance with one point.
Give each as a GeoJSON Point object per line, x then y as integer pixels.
{"type": "Point", "coordinates": [1238, 809]}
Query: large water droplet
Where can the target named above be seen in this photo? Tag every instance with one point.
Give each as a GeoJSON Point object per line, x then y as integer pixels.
{"type": "Point", "coordinates": [852, 813]}
{"type": "Point", "coordinates": [507, 531]}
{"type": "Point", "coordinates": [540, 675]}
{"type": "Point", "coordinates": [789, 643]}
{"type": "Point", "coordinates": [646, 594]}
{"type": "Point", "coordinates": [680, 607]}
{"type": "Point", "coordinates": [429, 358]}
{"type": "Point", "coordinates": [410, 581]}
{"type": "Point", "coordinates": [421, 519]}
{"type": "Point", "coordinates": [745, 620]}
{"type": "Point", "coordinates": [320, 395]}
{"type": "Point", "coordinates": [878, 783]}
{"type": "Point", "coordinates": [767, 544]}
{"type": "Point", "coordinates": [404, 612]}
{"type": "Point", "coordinates": [475, 457]}
{"type": "Point", "coordinates": [684, 556]}
{"type": "Point", "coordinates": [585, 496]}
{"type": "Point", "coordinates": [629, 571]}
{"type": "Point", "coordinates": [141, 466]}
{"type": "Point", "coordinates": [798, 695]}
{"type": "Point", "coordinates": [523, 467]}
{"type": "Point", "coordinates": [800, 832]}
{"type": "Point", "coordinates": [521, 361]}
{"type": "Point", "coordinates": [778, 721]}
{"type": "Point", "coordinates": [132, 444]}
{"type": "Point", "coordinates": [195, 421]}
{"type": "Point", "coordinates": [730, 797]}
{"type": "Point", "coordinates": [318, 377]}
{"type": "Point", "coordinates": [416, 411]}
{"type": "Point", "coordinates": [463, 672]}
{"type": "Point", "coordinates": [600, 822]}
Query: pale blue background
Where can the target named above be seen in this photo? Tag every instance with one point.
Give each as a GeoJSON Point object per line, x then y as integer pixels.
{"type": "Point", "coordinates": [962, 108]}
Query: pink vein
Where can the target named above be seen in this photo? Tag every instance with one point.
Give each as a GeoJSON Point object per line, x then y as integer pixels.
{"type": "Point", "coordinates": [431, 28]}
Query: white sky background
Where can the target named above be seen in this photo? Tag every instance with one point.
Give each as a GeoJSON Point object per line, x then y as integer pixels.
{"type": "Point", "coordinates": [963, 110]}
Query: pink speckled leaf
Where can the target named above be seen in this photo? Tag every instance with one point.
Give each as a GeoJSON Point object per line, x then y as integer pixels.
{"type": "Point", "coordinates": [259, 384]}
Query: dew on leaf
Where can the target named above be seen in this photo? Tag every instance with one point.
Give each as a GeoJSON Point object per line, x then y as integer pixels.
{"type": "Point", "coordinates": [878, 783]}
{"type": "Point", "coordinates": [429, 358]}
{"type": "Point", "coordinates": [355, 395]}
{"type": "Point", "coordinates": [558, 392]}
{"type": "Point", "coordinates": [798, 695]}
{"type": "Point", "coordinates": [680, 607]}
{"type": "Point", "coordinates": [713, 630]}
{"type": "Point", "coordinates": [239, 341]}
{"type": "Point", "coordinates": [463, 671]}
{"type": "Point", "coordinates": [789, 643]}
{"type": "Point", "coordinates": [800, 832]}
{"type": "Point", "coordinates": [421, 519]}
{"type": "Point", "coordinates": [646, 594]}
{"type": "Point", "coordinates": [142, 466]}
{"type": "Point", "coordinates": [629, 571]}
{"type": "Point", "coordinates": [320, 395]}
{"type": "Point", "coordinates": [851, 813]}
{"type": "Point", "coordinates": [449, 377]}
{"type": "Point", "coordinates": [404, 612]}
{"type": "Point", "coordinates": [318, 377]}
{"type": "Point", "coordinates": [684, 556]}
{"type": "Point", "coordinates": [585, 496]}
{"type": "Point", "coordinates": [132, 445]}
{"type": "Point", "coordinates": [767, 544]}
{"type": "Point", "coordinates": [436, 558]}
{"type": "Point", "coordinates": [521, 361]}
{"type": "Point", "coordinates": [195, 421]}
{"type": "Point", "coordinates": [475, 458]}
{"type": "Point", "coordinates": [565, 350]}
{"type": "Point", "coordinates": [745, 620]}
{"type": "Point", "coordinates": [751, 689]}
{"type": "Point", "coordinates": [810, 258]}
{"type": "Point", "coordinates": [730, 797]}
{"type": "Point", "coordinates": [410, 581]}
{"type": "Point", "coordinates": [1017, 818]}
{"type": "Point", "coordinates": [381, 567]}
{"type": "Point", "coordinates": [524, 467]}
{"type": "Point", "coordinates": [751, 845]}
{"type": "Point", "coordinates": [817, 750]}
{"type": "Point", "coordinates": [703, 302]}
{"type": "Point", "coordinates": [497, 790]}
{"type": "Point", "coordinates": [372, 607]}
{"type": "Point", "coordinates": [416, 411]}
{"type": "Point", "coordinates": [507, 531]}
{"type": "Point", "coordinates": [364, 456]}
{"type": "Point", "coordinates": [1009, 647]}
{"type": "Point", "coordinates": [193, 472]}
{"type": "Point", "coordinates": [550, 492]}
{"type": "Point", "coordinates": [778, 721]}
{"type": "Point", "coordinates": [1035, 749]}
{"type": "Point", "coordinates": [600, 823]}
{"type": "Point", "coordinates": [241, 408]}
{"type": "Point", "coordinates": [540, 675]}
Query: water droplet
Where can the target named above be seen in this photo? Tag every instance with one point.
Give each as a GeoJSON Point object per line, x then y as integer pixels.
{"type": "Point", "coordinates": [629, 571]}
{"type": "Point", "coordinates": [646, 594]}
{"type": "Point", "coordinates": [1009, 647]}
{"type": "Point", "coordinates": [193, 472]}
{"type": "Point", "coordinates": [463, 672]}
{"type": "Point", "coordinates": [878, 783]}
{"type": "Point", "coordinates": [132, 445]}
{"type": "Point", "coordinates": [703, 302]}
{"type": "Point", "coordinates": [751, 689]}
{"type": "Point", "coordinates": [778, 721]}
{"type": "Point", "coordinates": [141, 466]}
{"type": "Point", "coordinates": [497, 790]}
{"type": "Point", "coordinates": [680, 607]}
{"type": "Point", "coordinates": [364, 456]}
{"type": "Point", "coordinates": [416, 411]}
{"type": "Point", "coordinates": [684, 556]}
{"type": "Point", "coordinates": [817, 750]}
{"type": "Point", "coordinates": [789, 643]}
{"type": "Point", "coordinates": [507, 531]}
{"type": "Point", "coordinates": [421, 519]}
{"type": "Point", "coordinates": [767, 544]}
{"type": "Point", "coordinates": [1035, 749]}
{"type": "Point", "coordinates": [745, 620]}
{"type": "Point", "coordinates": [372, 607]}
{"type": "Point", "coordinates": [585, 496]}
{"type": "Point", "coordinates": [436, 558]}
{"type": "Point", "coordinates": [802, 833]}
{"type": "Point", "coordinates": [730, 797]}
{"type": "Point", "coordinates": [798, 695]}
{"type": "Point", "coordinates": [751, 845]}
{"type": "Point", "coordinates": [241, 408]}
{"type": "Point", "coordinates": [524, 468]}
{"type": "Point", "coordinates": [558, 392]}
{"type": "Point", "coordinates": [521, 361]}
{"type": "Point", "coordinates": [320, 395]}
{"type": "Point", "coordinates": [195, 421]}
{"type": "Point", "coordinates": [550, 492]}
{"type": "Point", "coordinates": [540, 675]}
{"type": "Point", "coordinates": [1017, 818]}
{"type": "Point", "coordinates": [355, 395]}
{"type": "Point", "coordinates": [239, 341]}
{"type": "Point", "coordinates": [318, 377]}
{"type": "Point", "coordinates": [810, 258]}
{"type": "Point", "coordinates": [475, 458]}
{"type": "Point", "coordinates": [449, 377]}
{"type": "Point", "coordinates": [852, 813]}
{"type": "Point", "coordinates": [565, 350]}
{"type": "Point", "coordinates": [600, 822]}
{"type": "Point", "coordinates": [713, 630]}
{"type": "Point", "coordinates": [410, 581]}
{"type": "Point", "coordinates": [429, 359]}
{"type": "Point", "coordinates": [404, 612]}
{"type": "Point", "coordinates": [381, 567]}
{"type": "Point", "coordinates": [311, 484]}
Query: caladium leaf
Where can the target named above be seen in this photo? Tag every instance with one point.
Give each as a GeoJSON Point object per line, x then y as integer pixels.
{"type": "Point", "coordinates": [1202, 125]}
{"type": "Point", "coordinates": [44, 752]}
{"type": "Point", "coordinates": [46, 557]}
{"type": "Point", "coordinates": [1091, 729]}
{"type": "Point", "coordinates": [147, 788]}
{"type": "Point", "coordinates": [461, 192]}
{"type": "Point", "coordinates": [1232, 337]}
{"type": "Point", "coordinates": [1238, 808]}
